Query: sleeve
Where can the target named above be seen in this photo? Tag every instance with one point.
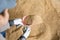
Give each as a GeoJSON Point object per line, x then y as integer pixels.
{"type": "Point", "coordinates": [1, 37]}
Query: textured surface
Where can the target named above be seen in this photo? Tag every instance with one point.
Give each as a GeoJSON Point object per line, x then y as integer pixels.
{"type": "Point", "coordinates": [46, 22]}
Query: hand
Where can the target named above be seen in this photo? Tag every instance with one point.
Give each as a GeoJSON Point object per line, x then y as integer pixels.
{"type": "Point", "coordinates": [4, 18]}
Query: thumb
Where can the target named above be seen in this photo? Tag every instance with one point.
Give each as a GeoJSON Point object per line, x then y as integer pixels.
{"type": "Point", "coordinates": [6, 14]}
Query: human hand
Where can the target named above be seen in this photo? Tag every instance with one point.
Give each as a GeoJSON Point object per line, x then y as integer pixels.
{"type": "Point", "coordinates": [4, 18]}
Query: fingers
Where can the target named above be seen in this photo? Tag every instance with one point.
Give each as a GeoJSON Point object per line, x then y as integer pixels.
{"type": "Point", "coordinates": [6, 14]}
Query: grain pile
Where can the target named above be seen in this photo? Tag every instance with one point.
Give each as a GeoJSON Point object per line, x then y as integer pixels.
{"type": "Point", "coordinates": [46, 20]}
